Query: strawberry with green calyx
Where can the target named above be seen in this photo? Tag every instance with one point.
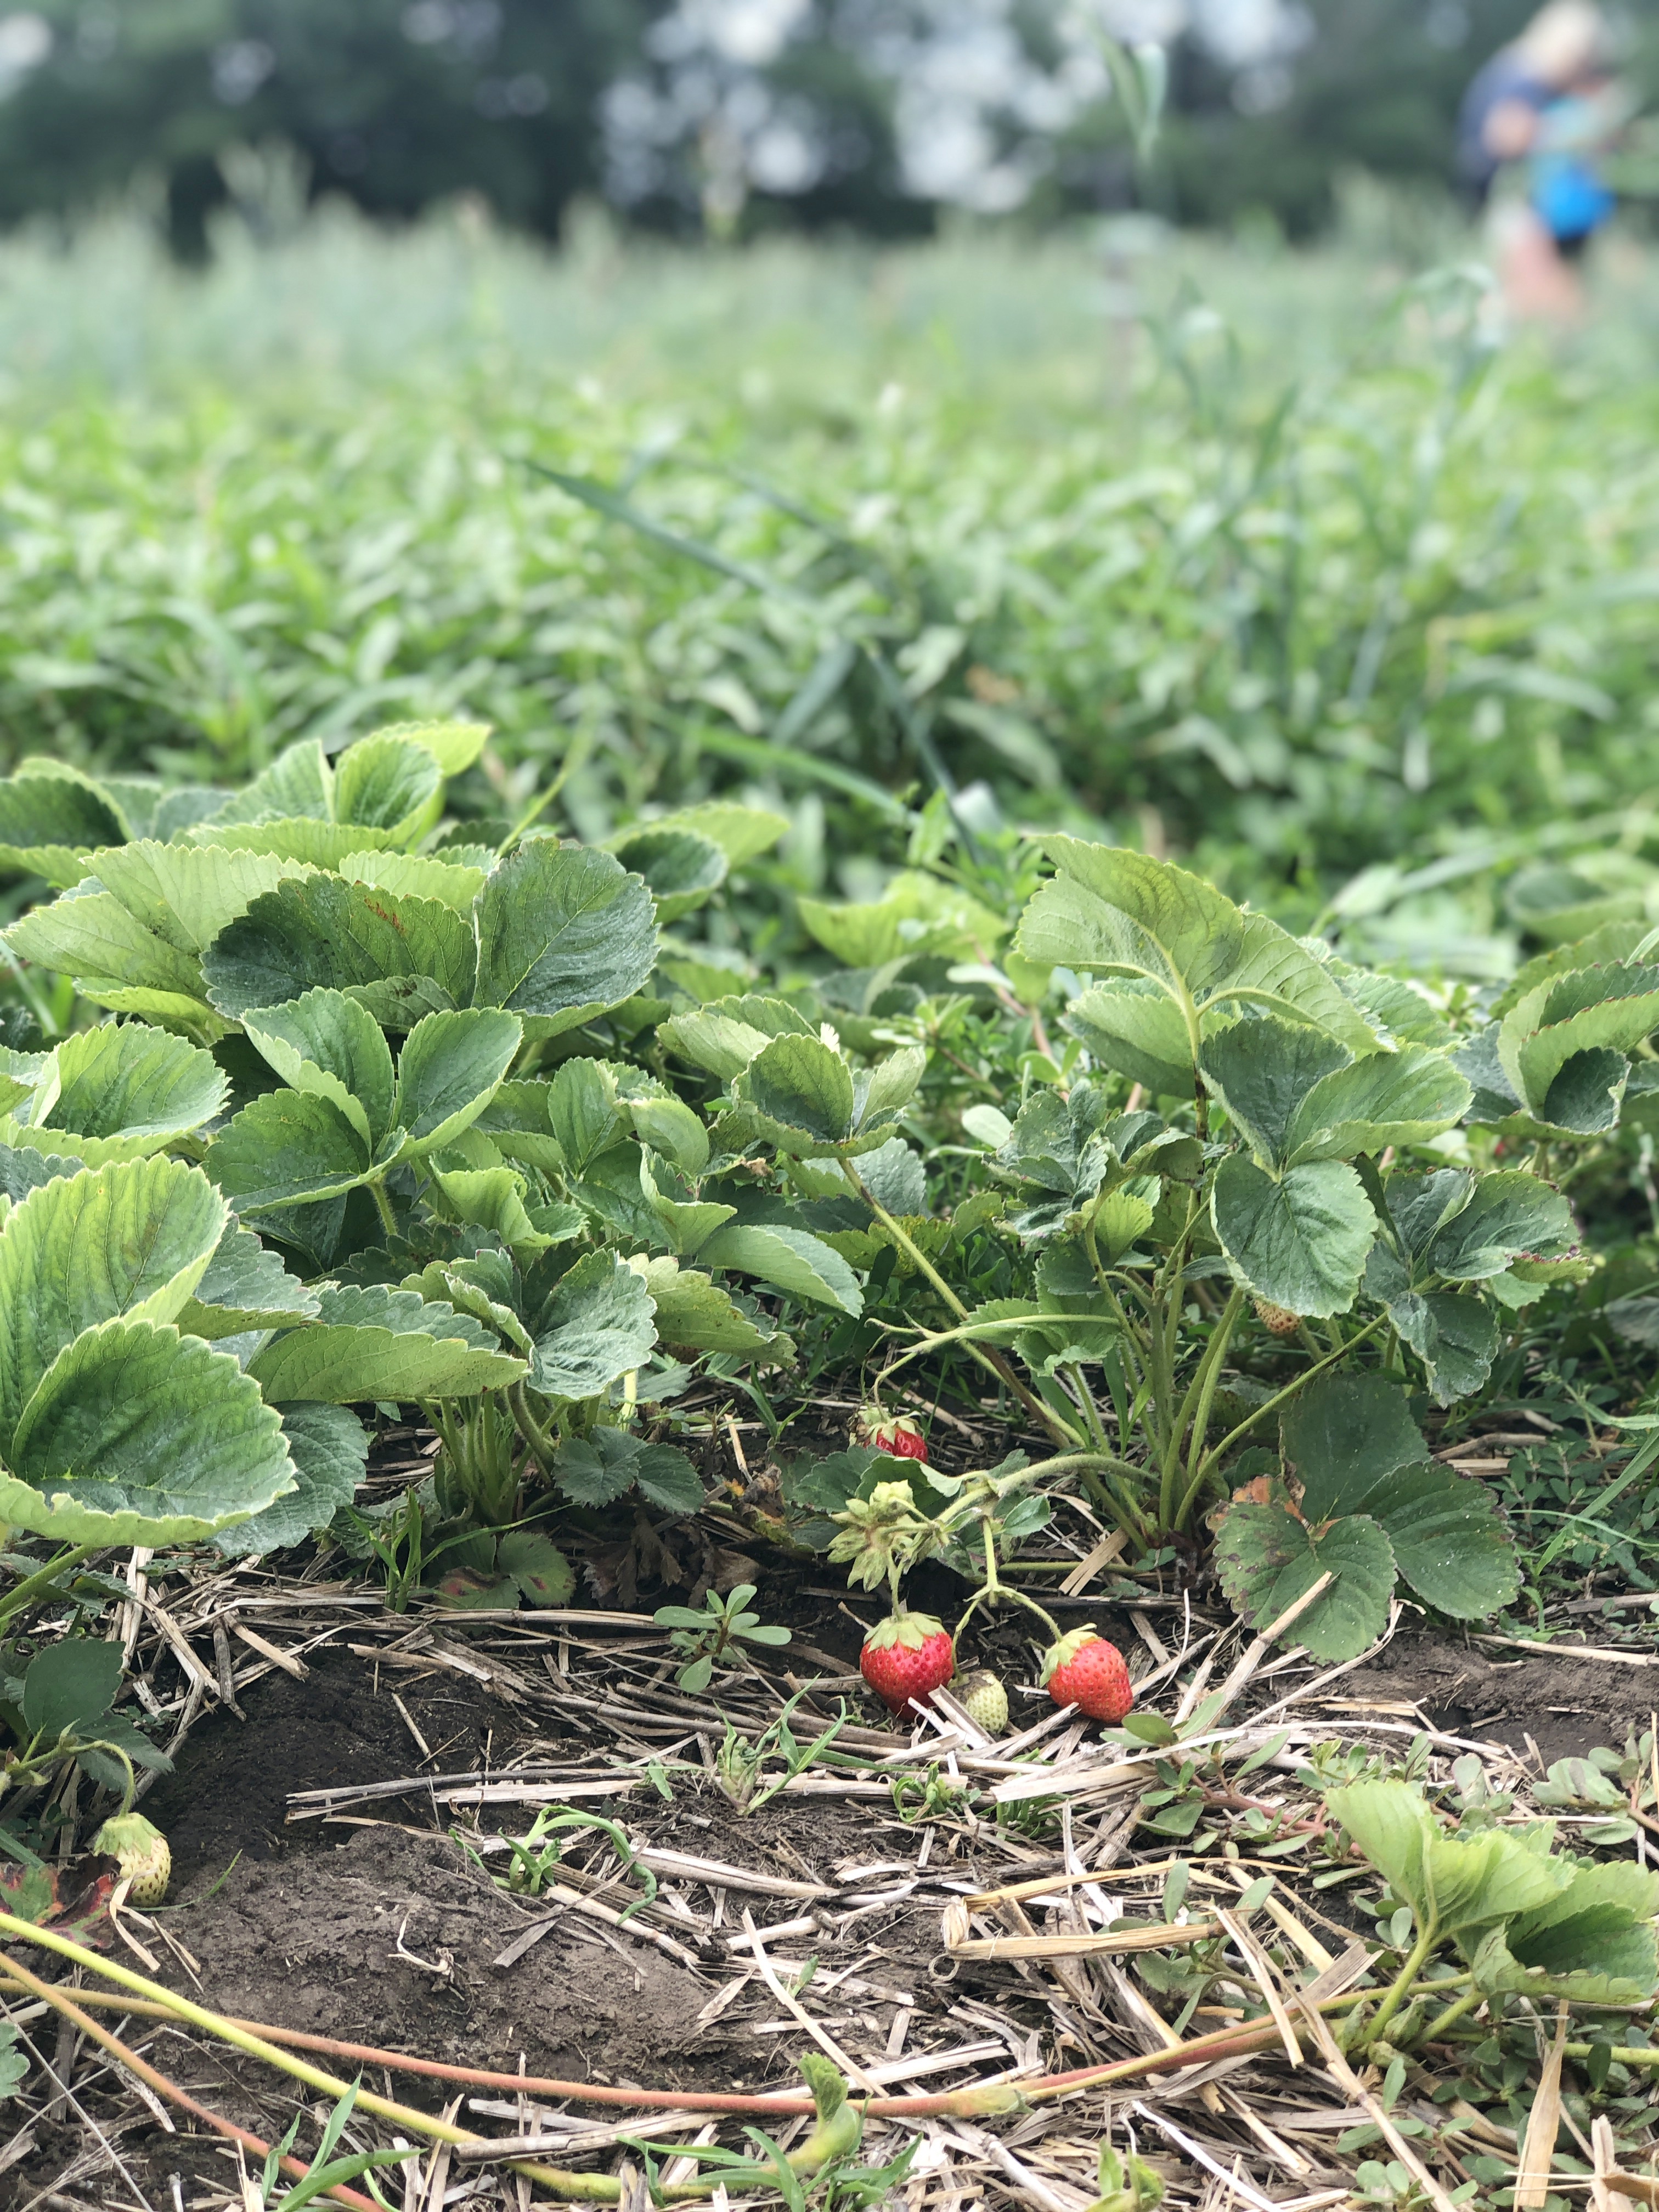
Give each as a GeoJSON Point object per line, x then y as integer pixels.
{"type": "Point", "coordinates": [142, 1852]}
{"type": "Point", "coordinates": [909, 1655]}
{"type": "Point", "coordinates": [1082, 1669]}
{"type": "Point", "coordinates": [896, 1434]}
{"type": "Point", "coordinates": [984, 1700]}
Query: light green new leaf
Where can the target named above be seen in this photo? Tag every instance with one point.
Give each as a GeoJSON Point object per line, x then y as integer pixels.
{"type": "Point", "coordinates": [915, 913]}
{"type": "Point", "coordinates": [136, 1435]}
{"type": "Point", "coordinates": [130, 1241]}
{"type": "Point", "coordinates": [671, 1128]}
{"type": "Point", "coordinates": [385, 784]}
{"type": "Point", "coordinates": [726, 1034]}
{"type": "Point", "coordinates": [791, 1259]}
{"type": "Point", "coordinates": [298, 841]}
{"type": "Point", "coordinates": [328, 1446]}
{"type": "Point", "coordinates": [331, 1047]}
{"type": "Point", "coordinates": [50, 822]}
{"type": "Point", "coordinates": [695, 1314]}
{"type": "Point", "coordinates": [596, 1327]}
{"type": "Point", "coordinates": [400, 956]}
{"type": "Point", "coordinates": [118, 1092]}
{"type": "Point", "coordinates": [1268, 1558]}
{"type": "Point", "coordinates": [881, 1093]}
{"type": "Point", "coordinates": [453, 745]}
{"type": "Point", "coordinates": [187, 894]}
{"type": "Point", "coordinates": [448, 1072]}
{"type": "Point", "coordinates": [1299, 1240]}
{"type": "Point", "coordinates": [799, 1093]}
{"type": "Point", "coordinates": [376, 1343]}
{"type": "Point", "coordinates": [582, 1113]}
{"type": "Point", "coordinates": [1120, 913]}
{"type": "Point", "coordinates": [245, 1287]}
{"type": "Point", "coordinates": [299, 783]}
{"type": "Point", "coordinates": [1458, 1885]}
{"type": "Point", "coordinates": [89, 932]}
{"type": "Point", "coordinates": [491, 1198]}
{"type": "Point", "coordinates": [564, 933]}
{"type": "Point", "coordinates": [412, 875]}
{"type": "Point", "coordinates": [287, 1148]}
{"type": "Point", "coordinates": [1137, 1030]}
{"type": "Point", "coordinates": [1593, 1942]}
{"type": "Point", "coordinates": [742, 833]}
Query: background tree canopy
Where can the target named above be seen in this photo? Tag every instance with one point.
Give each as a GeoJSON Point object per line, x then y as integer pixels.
{"type": "Point", "coordinates": [723, 114]}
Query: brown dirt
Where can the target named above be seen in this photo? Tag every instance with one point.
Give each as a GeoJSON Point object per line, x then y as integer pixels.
{"type": "Point", "coordinates": [1566, 1707]}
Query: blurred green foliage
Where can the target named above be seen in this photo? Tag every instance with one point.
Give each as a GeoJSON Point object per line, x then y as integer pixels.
{"type": "Point", "coordinates": [1300, 581]}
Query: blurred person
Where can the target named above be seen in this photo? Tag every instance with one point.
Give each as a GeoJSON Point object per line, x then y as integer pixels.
{"type": "Point", "coordinates": [1540, 112]}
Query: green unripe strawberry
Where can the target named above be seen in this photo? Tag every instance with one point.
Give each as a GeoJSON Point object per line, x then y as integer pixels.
{"type": "Point", "coordinates": [984, 1700]}
{"type": "Point", "coordinates": [142, 1852]}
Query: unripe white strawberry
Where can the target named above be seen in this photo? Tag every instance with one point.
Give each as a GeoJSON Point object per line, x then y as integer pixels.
{"type": "Point", "coordinates": [984, 1700]}
{"type": "Point", "coordinates": [142, 1852]}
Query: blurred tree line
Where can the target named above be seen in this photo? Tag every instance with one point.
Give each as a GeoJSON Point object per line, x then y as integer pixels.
{"type": "Point", "coordinates": [733, 114]}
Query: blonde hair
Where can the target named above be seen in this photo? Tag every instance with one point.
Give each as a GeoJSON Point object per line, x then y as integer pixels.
{"type": "Point", "coordinates": [1563, 39]}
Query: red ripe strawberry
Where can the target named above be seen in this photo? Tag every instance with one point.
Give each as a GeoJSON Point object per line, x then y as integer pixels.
{"type": "Point", "coordinates": [1082, 1669]}
{"type": "Point", "coordinates": [909, 1656]}
{"type": "Point", "coordinates": [892, 1432]}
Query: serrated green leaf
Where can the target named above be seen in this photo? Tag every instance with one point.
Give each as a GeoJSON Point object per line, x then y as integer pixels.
{"type": "Point", "coordinates": [564, 933]}
{"type": "Point", "coordinates": [1262, 1070]}
{"type": "Point", "coordinates": [136, 1435]}
{"type": "Point", "coordinates": [328, 1446]}
{"type": "Point", "coordinates": [1402, 1097]}
{"type": "Point", "coordinates": [447, 1073]}
{"type": "Point", "coordinates": [385, 784]}
{"type": "Point", "coordinates": [400, 956]}
{"type": "Point", "coordinates": [596, 1328]}
{"type": "Point", "coordinates": [410, 875]}
{"type": "Point", "coordinates": [791, 1259]}
{"type": "Point", "coordinates": [187, 894]}
{"type": "Point", "coordinates": [119, 1091]}
{"type": "Point", "coordinates": [1506, 1214]}
{"type": "Point", "coordinates": [723, 1036]}
{"type": "Point", "coordinates": [245, 1287]}
{"type": "Point", "coordinates": [1460, 1884]}
{"type": "Point", "coordinates": [377, 1343]}
{"type": "Point", "coordinates": [543, 1575]}
{"type": "Point", "coordinates": [1605, 1009]}
{"type": "Point", "coordinates": [799, 1093]}
{"type": "Point", "coordinates": [287, 1148]}
{"type": "Point", "coordinates": [695, 1314]}
{"type": "Point", "coordinates": [1267, 1558]}
{"type": "Point", "coordinates": [742, 833]}
{"type": "Point", "coordinates": [298, 784]}
{"type": "Point", "coordinates": [329, 1047]}
{"type": "Point", "coordinates": [87, 932]}
{"type": "Point", "coordinates": [131, 1241]}
{"type": "Point", "coordinates": [1133, 1027]}
{"type": "Point", "coordinates": [1299, 1240]}
{"type": "Point", "coordinates": [683, 869]}
{"type": "Point", "coordinates": [49, 822]}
